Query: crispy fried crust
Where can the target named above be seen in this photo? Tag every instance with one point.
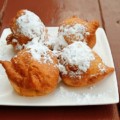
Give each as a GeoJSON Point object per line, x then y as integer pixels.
{"type": "Point", "coordinates": [13, 25]}
{"type": "Point", "coordinates": [30, 92]}
{"type": "Point", "coordinates": [22, 39]}
{"type": "Point", "coordinates": [30, 77]}
{"type": "Point", "coordinates": [93, 74]}
{"type": "Point", "coordinates": [91, 28]}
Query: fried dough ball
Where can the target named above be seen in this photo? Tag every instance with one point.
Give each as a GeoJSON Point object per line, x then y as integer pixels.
{"type": "Point", "coordinates": [80, 66]}
{"type": "Point", "coordinates": [25, 26]}
{"type": "Point", "coordinates": [75, 29]}
{"type": "Point", "coordinates": [33, 71]}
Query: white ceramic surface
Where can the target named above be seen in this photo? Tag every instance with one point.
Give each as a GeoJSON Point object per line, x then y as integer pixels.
{"type": "Point", "coordinates": [104, 92]}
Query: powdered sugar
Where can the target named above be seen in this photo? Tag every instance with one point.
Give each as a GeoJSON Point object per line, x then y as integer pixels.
{"type": "Point", "coordinates": [14, 40]}
{"type": "Point", "coordinates": [30, 25]}
{"type": "Point", "coordinates": [36, 41]}
{"type": "Point", "coordinates": [18, 46]}
{"type": "Point", "coordinates": [60, 43]}
{"type": "Point", "coordinates": [77, 54]}
{"type": "Point", "coordinates": [79, 96]}
{"type": "Point", "coordinates": [62, 69]}
{"type": "Point", "coordinates": [101, 67]}
{"type": "Point", "coordinates": [75, 74]}
{"type": "Point", "coordinates": [78, 30]}
{"type": "Point", "coordinates": [39, 51]}
{"type": "Point", "coordinates": [56, 42]}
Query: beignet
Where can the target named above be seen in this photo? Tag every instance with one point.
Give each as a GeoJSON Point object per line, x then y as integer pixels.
{"type": "Point", "coordinates": [75, 29]}
{"type": "Point", "coordinates": [33, 71]}
{"type": "Point", "coordinates": [80, 66]}
{"type": "Point", "coordinates": [25, 26]}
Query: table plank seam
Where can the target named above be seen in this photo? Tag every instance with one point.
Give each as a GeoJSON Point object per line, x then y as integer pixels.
{"type": "Point", "coordinates": [101, 15]}
{"type": "Point", "coordinates": [2, 11]}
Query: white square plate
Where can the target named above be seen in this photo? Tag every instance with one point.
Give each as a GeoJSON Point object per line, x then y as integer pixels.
{"type": "Point", "coordinates": [104, 92]}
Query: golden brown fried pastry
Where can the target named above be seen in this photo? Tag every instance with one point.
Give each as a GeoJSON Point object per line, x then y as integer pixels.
{"type": "Point", "coordinates": [75, 29]}
{"type": "Point", "coordinates": [81, 66]}
{"type": "Point", "coordinates": [33, 71]}
{"type": "Point", "coordinates": [25, 26]}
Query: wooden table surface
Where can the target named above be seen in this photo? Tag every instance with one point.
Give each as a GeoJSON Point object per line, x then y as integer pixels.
{"type": "Point", "coordinates": [52, 12]}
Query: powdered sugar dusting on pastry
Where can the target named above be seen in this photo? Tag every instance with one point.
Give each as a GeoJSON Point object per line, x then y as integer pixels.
{"type": "Point", "coordinates": [77, 54]}
{"type": "Point", "coordinates": [55, 42]}
{"type": "Point", "coordinates": [50, 41]}
{"type": "Point", "coordinates": [18, 46]}
{"type": "Point", "coordinates": [75, 74]}
{"type": "Point", "coordinates": [78, 30]}
{"type": "Point", "coordinates": [62, 69]}
{"type": "Point", "coordinates": [60, 43]}
{"type": "Point", "coordinates": [39, 51]}
{"type": "Point", "coordinates": [36, 41]}
{"type": "Point", "coordinates": [101, 67]}
{"type": "Point", "coordinates": [30, 25]}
